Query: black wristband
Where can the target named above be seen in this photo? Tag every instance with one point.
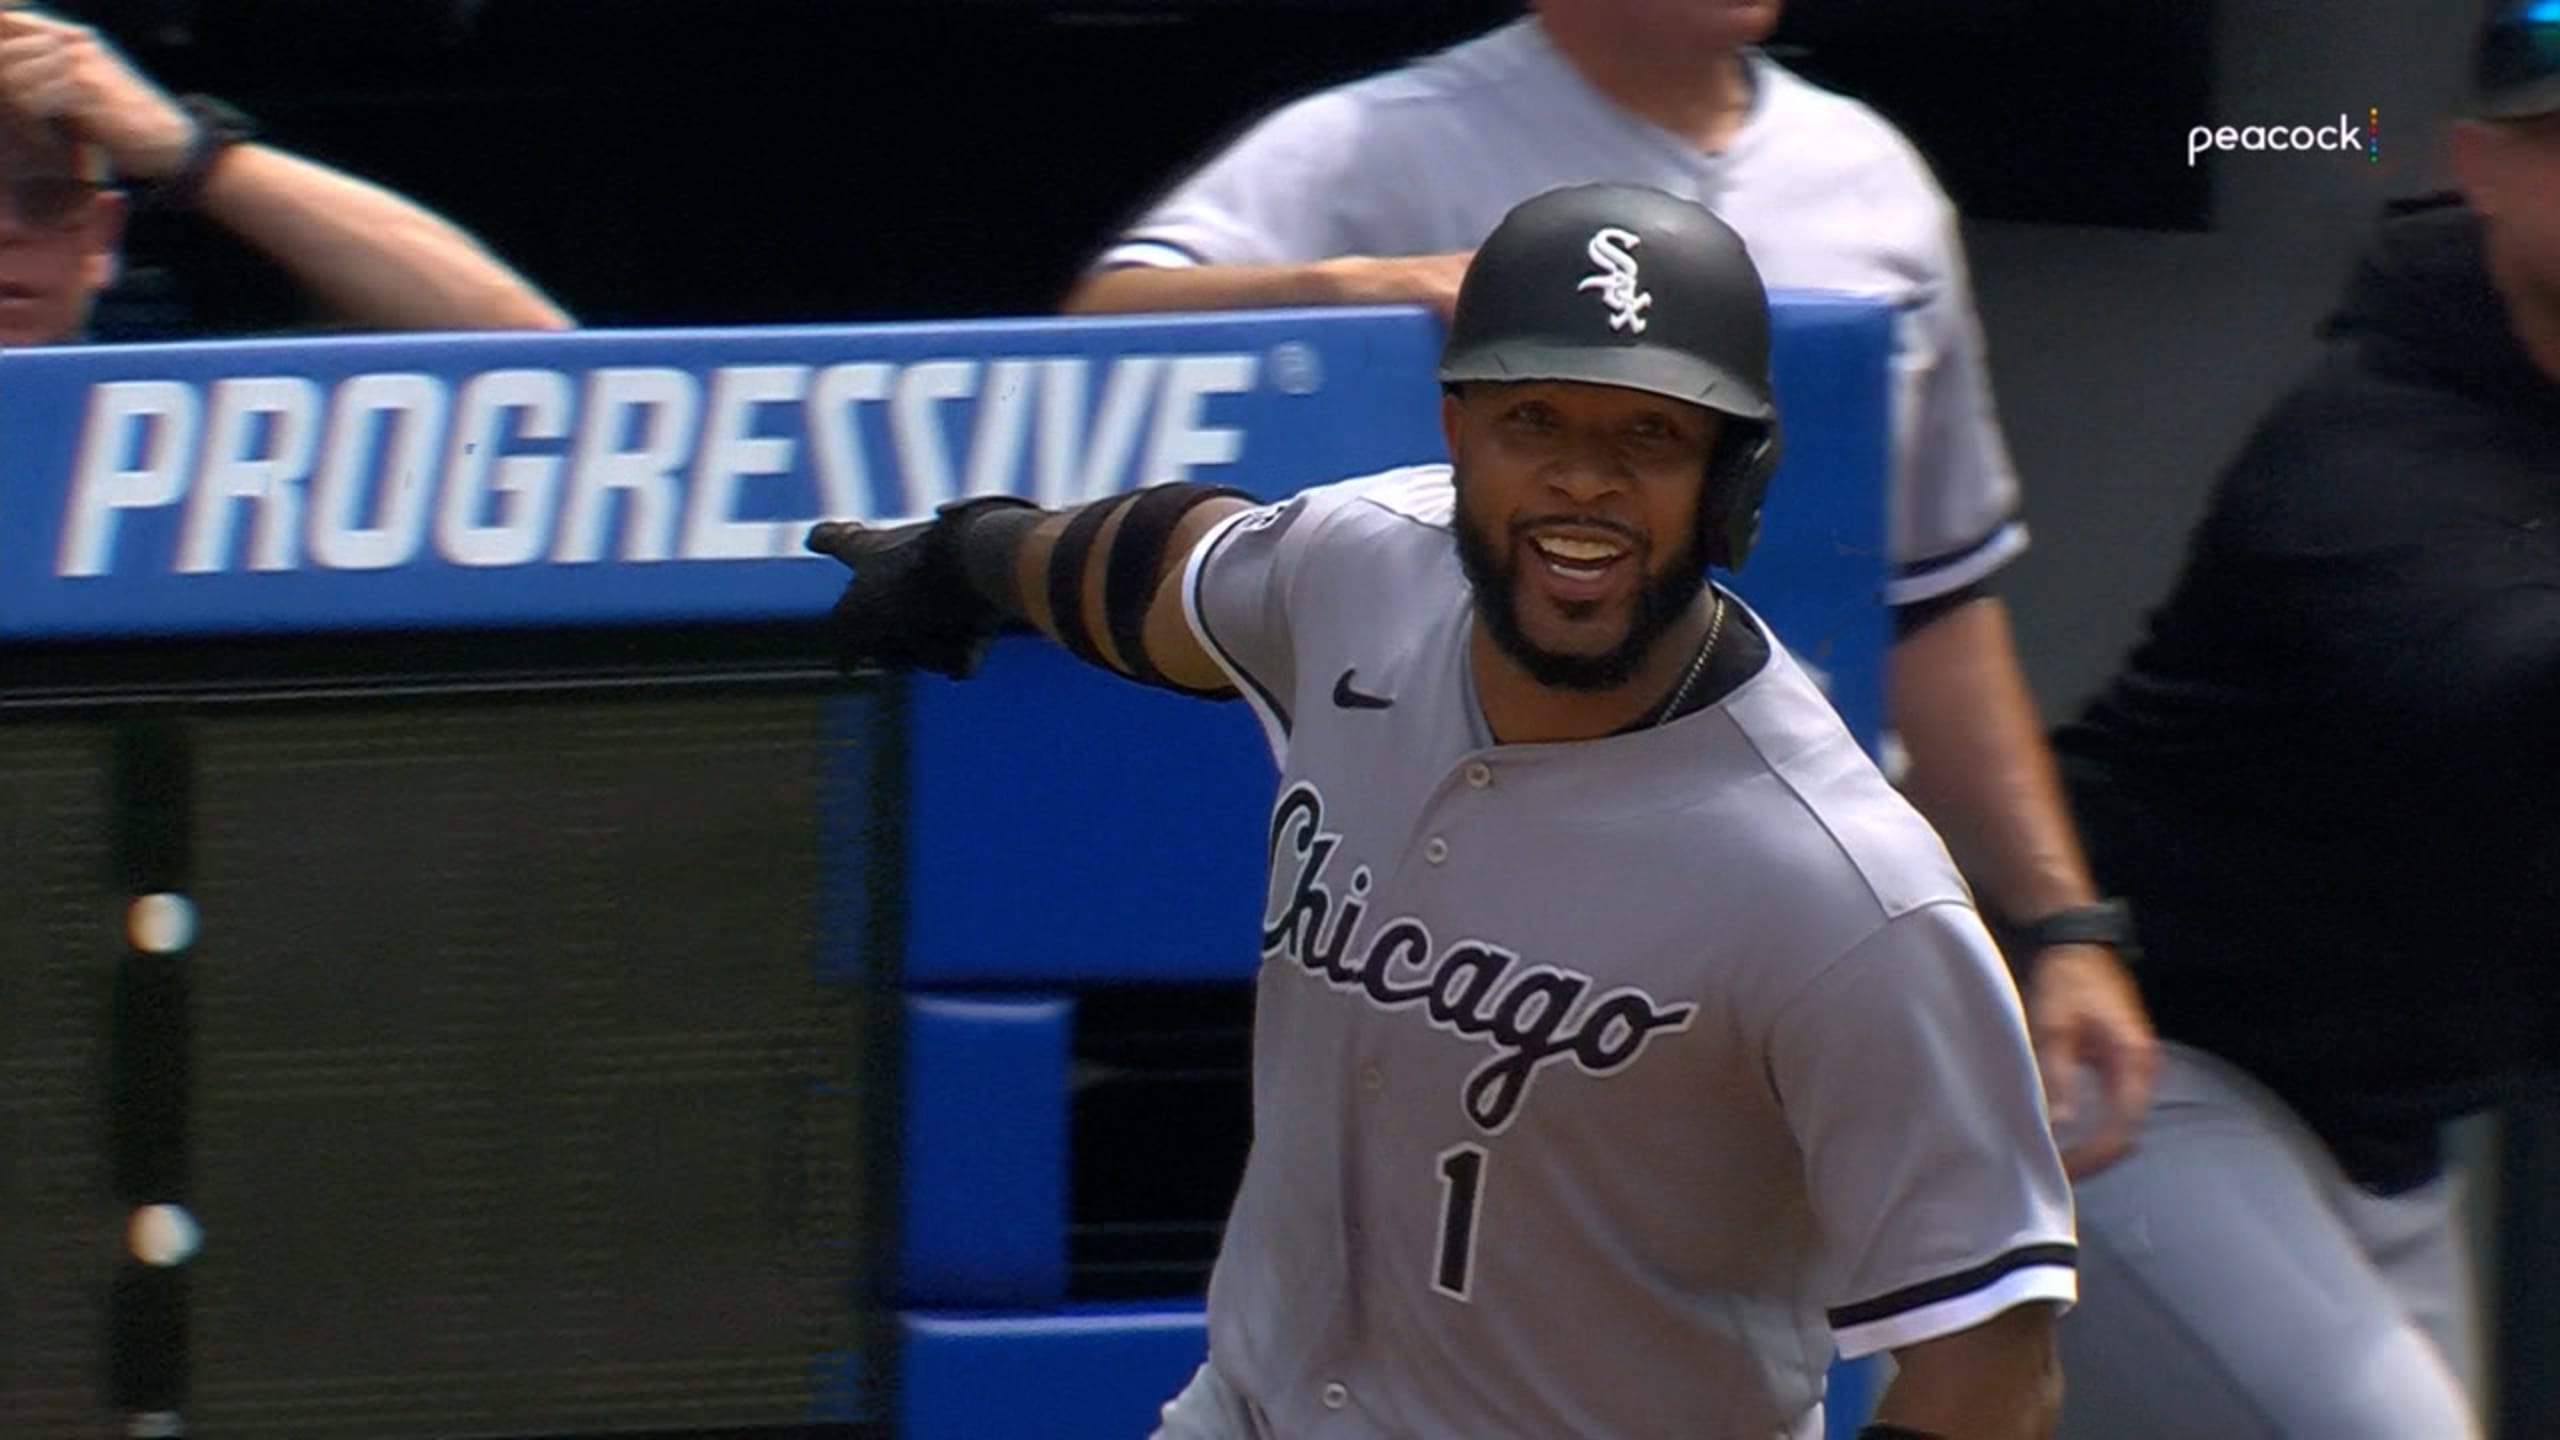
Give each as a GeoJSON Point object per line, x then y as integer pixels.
{"type": "Point", "coordinates": [2108, 923]}
{"type": "Point", "coordinates": [218, 127]}
{"type": "Point", "coordinates": [1895, 1432]}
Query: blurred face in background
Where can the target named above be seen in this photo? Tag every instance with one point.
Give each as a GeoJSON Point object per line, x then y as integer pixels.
{"type": "Point", "coordinates": [59, 229]}
{"type": "Point", "coordinates": [2510, 173]}
{"type": "Point", "coordinates": [1699, 26]}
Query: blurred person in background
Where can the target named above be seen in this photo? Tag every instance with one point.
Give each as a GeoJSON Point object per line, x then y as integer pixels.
{"type": "Point", "coordinates": [76, 120]}
{"type": "Point", "coordinates": [1377, 191]}
{"type": "Point", "coordinates": [2328, 778]}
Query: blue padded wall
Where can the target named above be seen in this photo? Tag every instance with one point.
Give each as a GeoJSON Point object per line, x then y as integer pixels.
{"type": "Point", "coordinates": [1080, 1373]}
{"type": "Point", "coordinates": [985, 1174]}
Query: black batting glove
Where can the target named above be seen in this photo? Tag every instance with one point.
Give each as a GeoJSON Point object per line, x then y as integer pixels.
{"type": "Point", "coordinates": [909, 605]}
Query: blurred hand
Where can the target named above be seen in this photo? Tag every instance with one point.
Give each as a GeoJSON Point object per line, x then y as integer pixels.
{"type": "Point", "coordinates": [909, 605]}
{"type": "Point", "coordinates": [1401, 279]}
{"type": "Point", "coordinates": [2087, 1019]}
{"type": "Point", "coordinates": [53, 70]}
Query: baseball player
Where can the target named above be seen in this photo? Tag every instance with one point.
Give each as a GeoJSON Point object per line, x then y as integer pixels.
{"type": "Point", "coordinates": [1372, 192]}
{"type": "Point", "coordinates": [1625, 1042]}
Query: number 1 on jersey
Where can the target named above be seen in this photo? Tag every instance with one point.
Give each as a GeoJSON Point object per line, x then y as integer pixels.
{"type": "Point", "coordinates": [1461, 1200]}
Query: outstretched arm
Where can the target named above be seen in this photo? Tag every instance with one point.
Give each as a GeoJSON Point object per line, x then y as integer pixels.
{"type": "Point", "coordinates": [1103, 580]}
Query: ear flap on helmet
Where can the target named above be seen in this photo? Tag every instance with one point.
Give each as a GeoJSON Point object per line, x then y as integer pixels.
{"type": "Point", "coordinates": [1737, 482]}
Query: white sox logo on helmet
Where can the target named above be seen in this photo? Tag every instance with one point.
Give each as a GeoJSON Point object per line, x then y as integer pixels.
{"type": "Point", "coordinates": [1531, 1015]}
{"type": "Point", "coordinates": [1616, 280]}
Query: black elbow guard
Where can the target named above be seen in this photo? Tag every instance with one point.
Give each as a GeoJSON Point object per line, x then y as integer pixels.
{"type": "Point", "coordinates": [1131, 574]}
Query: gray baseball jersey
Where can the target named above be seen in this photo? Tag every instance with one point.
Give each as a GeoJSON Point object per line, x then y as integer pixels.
{"type": "Point", "coordinates": [1599, 1088]}
{"type": "Point", "coordinates": [1828, 196]}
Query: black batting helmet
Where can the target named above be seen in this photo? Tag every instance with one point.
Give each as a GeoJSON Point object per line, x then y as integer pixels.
{"type": "Point", "coordinates": [1628, 285]}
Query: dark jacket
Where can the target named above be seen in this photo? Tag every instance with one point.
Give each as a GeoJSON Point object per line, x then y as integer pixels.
{"type": "Point", "coordinates": [2329, 776]}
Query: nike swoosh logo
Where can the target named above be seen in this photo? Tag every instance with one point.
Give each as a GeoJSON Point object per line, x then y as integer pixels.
{"type": "Point", "coordinates": [1350, 699]}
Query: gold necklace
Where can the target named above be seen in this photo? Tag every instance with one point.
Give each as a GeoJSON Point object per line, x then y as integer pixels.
{"type": "Point", "coordinates": [1697, 667]}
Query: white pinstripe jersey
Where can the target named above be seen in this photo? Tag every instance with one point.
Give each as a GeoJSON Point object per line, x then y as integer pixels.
{"type": "Point", "coordinates": [1828, 196]}
{"type": "Point", "coordinates": [1598, 1087]}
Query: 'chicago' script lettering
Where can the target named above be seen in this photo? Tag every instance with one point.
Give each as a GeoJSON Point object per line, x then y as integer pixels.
{"type": "Point", "coordinates": [1531, 1015]}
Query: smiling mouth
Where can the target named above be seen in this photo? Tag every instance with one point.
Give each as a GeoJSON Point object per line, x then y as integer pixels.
{"type": "Point", "coordinates": [1578, 557]}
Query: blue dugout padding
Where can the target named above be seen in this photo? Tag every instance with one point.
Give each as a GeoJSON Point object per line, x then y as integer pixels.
{"type": "Point", "coordinates": [625, 477]}
{"type": "Point", "coordinates": [1062, 829]}
{"type": "Point", "coordinates": [1091, 1372]}
{"type": "Point", "coordinates": [984, 1177]}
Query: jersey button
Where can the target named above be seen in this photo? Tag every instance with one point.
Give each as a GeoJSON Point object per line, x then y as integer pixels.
{"type": "Point", "coordinates": [1435, 850]}
{"type": "Point", "coordinates": [1479, 774]}
{"type": "Point", "coordinates": [1372, 1079]}
{"type": "Point", "coordinates": [1336, 1396]}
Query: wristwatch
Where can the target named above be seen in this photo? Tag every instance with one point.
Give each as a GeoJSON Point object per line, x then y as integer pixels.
{"type": "Point", "coordinates": [219, 126]}
{"type": "Point", "coordinates": [2107, 922]}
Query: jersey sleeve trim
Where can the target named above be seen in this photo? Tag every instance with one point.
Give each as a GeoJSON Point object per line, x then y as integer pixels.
{"type": "Point", "coordinates": [1958, 1302]}
{"type": "Point", "coordinates": [1911, 619]}
{"type": "Point", "coordinates": [1266, 706]}
{"type": "Point", "coordinates": [1924, 579]}
{"type": "Point", "coordinates": [1152, 253]}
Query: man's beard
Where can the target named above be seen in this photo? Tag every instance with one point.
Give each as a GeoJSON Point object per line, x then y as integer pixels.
{"type": "Point", "coordinates": [1493, 573]}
